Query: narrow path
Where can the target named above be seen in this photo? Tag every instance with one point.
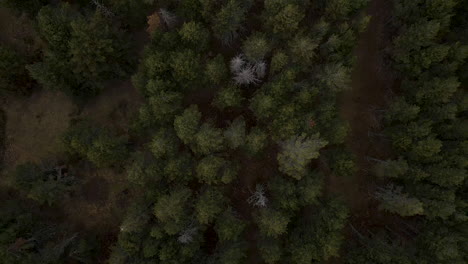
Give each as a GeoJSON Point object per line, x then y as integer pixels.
{"type": "Point", "coordinates": [371, 83]}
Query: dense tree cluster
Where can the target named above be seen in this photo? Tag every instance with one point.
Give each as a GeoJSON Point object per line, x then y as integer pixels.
{"type": "Point", "coordinates": [239, 126]}
{"type": "Point", "coordinates": [81, 51]}
{"type": "Point", "coordinates": [27, 239]}
{"type": "Point", "coordinates": [426, 126]}
{"type": "Point", "coordinates": [276, 96]}
{"type": "Point", "coordinates": [98, 145]}
{"type": "Point", "coordinates": [423, 121]}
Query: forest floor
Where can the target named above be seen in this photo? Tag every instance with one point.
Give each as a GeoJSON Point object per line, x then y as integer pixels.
{"type": "Point", "coordinates": [34, 126]}
{"type": "Point", "coordinates": [33, 134]}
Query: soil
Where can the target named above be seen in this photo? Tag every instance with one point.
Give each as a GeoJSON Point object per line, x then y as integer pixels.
{"type": "Point", "coordinates": [34, 127]}
{"type": "Point", "coordinates": [370, 92]}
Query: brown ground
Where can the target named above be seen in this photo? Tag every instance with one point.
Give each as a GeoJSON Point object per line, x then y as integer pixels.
{"type": "Point", "coordinates": [34, 127]}
{"type": "Point", "coordinates": [371, 83]}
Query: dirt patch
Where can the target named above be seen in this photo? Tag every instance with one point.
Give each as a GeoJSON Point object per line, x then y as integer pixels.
{"type": "Point", "coordinates": [34, 127]}
{"type": "Point", "coordinates": [95, 190]}
{"type": "Point", "coordinates": [362, 107]}
{"type": "Point", "coordinates": [95, 204]}
{"type": "Point", "coordinates": [115, 106]}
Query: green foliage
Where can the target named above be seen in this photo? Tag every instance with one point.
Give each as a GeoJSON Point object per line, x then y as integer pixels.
{"type": "Point", "coordinates": [228, 226]}
{"type": "Point", "coordinates": [270, 250]}
{"type": "Point", "coordinates": [256, 141]}
{"type": "Point", "coordinates": [291, 195]}
{"type": "Point", "coordinates": [263, 105]}
{"type": "Point", "coordinates": [233, 253]}
{"type": "Point", "coordinates": [442, 245]}
{"type": "Point", "coordinates": [82, 52]}
{"type": "Point", "coordinates": [54, 26]}
{"type": "Point", "coordinates": [230, 96]}
{"type": "Point", "coordinates": [161, 108]}
{"type": "Point", "coordinates": [216, 69]}
{"type": "Point", "coordinates": [216, 170]}
{"type": "Point", "coordinates": [335, 77]}
{"type": "Point", "coordinates": [42, 185]}
{"type": "Point", "coordinates": [302, 50]}
{"type": "Point", "coordinates": [342, 162]}
{"type": "Point", "coordinates": [96, 144]}
{"type": "Point", "coordinates": [395, 201]}
{"type": "Point", "coordinates": [187, 124]}
{"type": "Point", "coordinates": [172, 210]}
{"type": "Point", "coordinates": [391, 168]}
{"type": "Point", "coordinates": [255, 47]}
{"type": "Point", "coordinates": [186, 67]}
{"type": "Point", "coordinates": [337, 9]}
{"type": "Point", "coordinates": [228, 21]}
{"type": "Point", "coordinates": [282, 17]}
{"type": "Point", "coordinates": [179, 169]}
{"type": "Point", "coordinates": [235, 133]}
{"type": "Point", "coordinates": [98, 50]}
{"type": "Point", "coordinates": [195, 35]}
{"type": "Point", "coordinates": [425, 148]}
{"type": "Point", "coordinates": [208, 139]}
{"type": "Point", "coordinates": [164, 144]}
{"type": "Point", "coordinates": [401, 111]}
{"type": "Point", "coordinates": [320, 239]}
{"type": "Point", "coordinates": [272, 223]}
{"type": "Point", "coordinates": [142, 169]}
{"type": "Point", "coordinates": [14, 77]}
{"type": "Point", "coordinates": [210, 203]}
{"type": "Point", "coordinates": [297, 152]}
{"type": "Point", "coordinates": [278, 62]}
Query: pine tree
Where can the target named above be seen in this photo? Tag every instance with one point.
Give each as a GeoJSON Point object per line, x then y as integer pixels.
{"type": "Point", "coordinates": [297, 152]}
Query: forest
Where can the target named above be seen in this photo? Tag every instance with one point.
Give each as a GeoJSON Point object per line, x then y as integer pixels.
{"type": "Point", "coordinates": [233, 131]}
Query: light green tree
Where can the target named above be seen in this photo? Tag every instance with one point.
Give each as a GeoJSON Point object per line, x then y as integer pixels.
{"type": "Point", "coordinates": [195, 35]}
{"type": "Point", "coordinates": [216, 69]}
{"type": "Point", "coordinates": [256, 141]}
{"type": "Point", "coordinates": [297, 152]}
{"type": "Point", "coordinates": [208, 139]}
{"type": "Point", "coordinates": [187, 124]}
{"type": "Point", "coordinates": [272, 223]}
{"type": "Point", "coordinates": [255, 47]}
{"type": "Point", "coordinates": [228, 226]}
{"type": "Point", "coordinates": [210, 203]}
{"type": "Point", "coordinates": [230, 96]}
{"type": "Point", "coordinates": [172, 210]}
{"type": "Point", "coordinates": [394, 200]}
{"type": "Point", "coordinates": [235, 133]}
{"type": "Point", "coordinates": [164, 144]}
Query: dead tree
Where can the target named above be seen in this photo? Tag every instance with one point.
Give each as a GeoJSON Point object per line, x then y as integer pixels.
{"type": "Point", "coordinates": [186, 236]}
{"type": "Point", "coordinates": [258, 198]}
{"type": "Point", "coordinates": [167, 17]}
{"type": "Point", "coordinates": [104, 10]}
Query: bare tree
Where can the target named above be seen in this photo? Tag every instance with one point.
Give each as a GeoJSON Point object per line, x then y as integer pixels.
{"type": "Point", "coordinates": [104, 10]}
{"type": "Point", "coordinates": [258, 198]}
{"type": "Point", "coordinates": [237, 63]}
{"type": "Point", "coordinates": [169, 18]}
{"type": "Point", "coordinates": [394, 200]}
{"type": "Point", "coordinates": [260, 69]}
{"type": "Point", "coordinates": [186, 236]}
{"type": "Point", "coordinates": [245, 72]}
{"type": "Point", "coordinates": [246, 76]}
